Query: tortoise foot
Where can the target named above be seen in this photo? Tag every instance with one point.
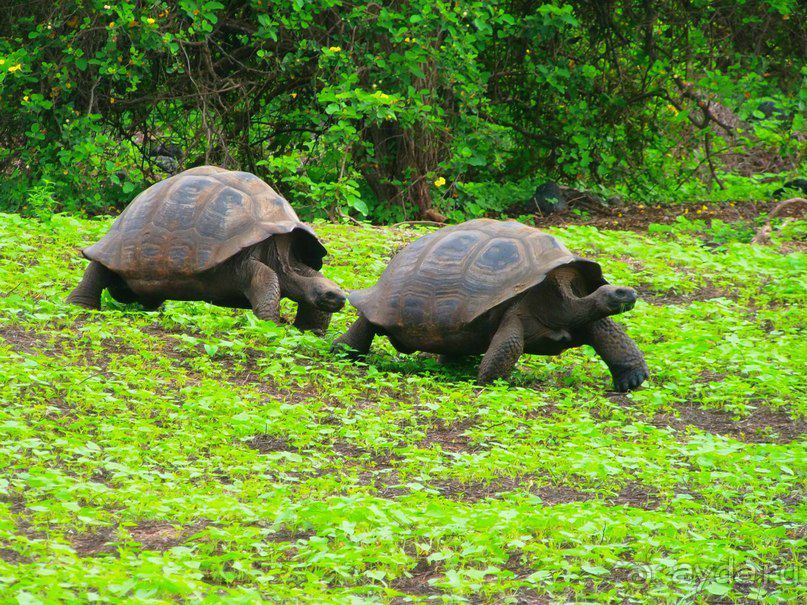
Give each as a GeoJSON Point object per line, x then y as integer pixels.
{"type": "Point", "coordinates": [83, 301]}
{"type": "Point", "coordinates": [627, 379]}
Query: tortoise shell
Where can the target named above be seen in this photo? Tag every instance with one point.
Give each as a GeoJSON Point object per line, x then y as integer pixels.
{"type": "Point", "coordinates": [196, 220]}
{"type": "Point", "coordinates": [450, 277]}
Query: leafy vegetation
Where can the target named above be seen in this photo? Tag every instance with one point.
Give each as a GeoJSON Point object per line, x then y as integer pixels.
{"type": "Point", "coordinates": [386, 110]}
{"type": "Point", "coordinates": [198, 454]}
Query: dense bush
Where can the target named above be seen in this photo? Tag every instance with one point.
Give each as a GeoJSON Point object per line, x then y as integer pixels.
{"type": "Point", "coordinates": [390, 109]}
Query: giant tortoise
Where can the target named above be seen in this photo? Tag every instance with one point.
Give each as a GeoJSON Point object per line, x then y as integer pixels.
{"type": "Point", "coordinates": [215, 235]}
{"type": "Point", "coordinates": [500, 288]}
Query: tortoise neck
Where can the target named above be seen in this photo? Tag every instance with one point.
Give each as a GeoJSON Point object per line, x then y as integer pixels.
{"type": "Point", "coordinates": [298, 287]}
{"type": "Point", "coordinates": [563, 301]}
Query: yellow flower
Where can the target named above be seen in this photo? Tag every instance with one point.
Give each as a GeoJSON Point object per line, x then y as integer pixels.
{"type": "Point", "coordinates": [439, 182]}
{"type": "Point", "coordinates": [16, 67]}
{"type": "Point", "coordinates": [111, 24]}
{"type": "Point", "coordinates": [294, 95]}
{"type": "Point", "coordinates": [25, 98]}
{"type": "Point", "coordinates": [150, 21]}
{"type": "Point", "coordinates": [335, 49]}
{"type": "Point", "coordinates": [112, 100]}
{"type": "Point", "coordinates": [2, 61]}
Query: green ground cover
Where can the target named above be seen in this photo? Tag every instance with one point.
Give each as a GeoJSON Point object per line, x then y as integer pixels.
{"type": "Point", "coordinates": [197, 454]}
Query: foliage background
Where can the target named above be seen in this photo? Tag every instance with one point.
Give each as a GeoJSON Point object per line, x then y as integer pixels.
{"type": "Point", "coordinates": [388, 109]}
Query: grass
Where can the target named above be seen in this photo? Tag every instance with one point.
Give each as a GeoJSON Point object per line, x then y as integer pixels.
{"type": "Point", "coordinates": [200, 455]}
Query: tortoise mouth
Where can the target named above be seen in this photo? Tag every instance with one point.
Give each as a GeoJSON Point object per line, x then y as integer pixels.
{"type": "Point", "coordinates": [331, 301]}
{"type": "Point", "coordinates": [622, 299]}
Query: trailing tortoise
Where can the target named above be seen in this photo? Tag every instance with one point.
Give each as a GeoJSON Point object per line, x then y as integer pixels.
{"type": "Point", "coordinates": [215, 235]}
{"type": "Point", "coordinates": [500, 288]}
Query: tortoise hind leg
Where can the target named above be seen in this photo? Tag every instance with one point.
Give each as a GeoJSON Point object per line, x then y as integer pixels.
{"type": "Point", "coordinates": [618, 351]}
{"type": "Point", "coordinates": [357, 340]}
{"type": "Point", "coordinates": [310, 318]}
{"type": "Point", "coordinates": [505, 348]}
{"type": "Point", "coordinates": [88, 292]}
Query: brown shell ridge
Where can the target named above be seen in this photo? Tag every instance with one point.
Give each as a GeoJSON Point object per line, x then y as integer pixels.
{"type": "Point", "coordinates": [100, 251]}
{"type": "Point", "coordinates": [446, 289]}
{"type": "Point", "coordinates": [166, 231]}
{"type": "Point", "coordinates": [463, 310]}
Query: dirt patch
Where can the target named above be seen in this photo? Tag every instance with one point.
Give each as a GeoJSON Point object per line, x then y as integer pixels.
{"type": "Point", "coordinates": [287, 535]}
{"type": "Point", "coordinates": [416, 581]}
{"type": "Point", "coordinates": [637, 495]}
{"type": "Point", "coordinates": [634, 493]}
{"type": "Point", "coordinates": [20, 339]}
{"type": "Point", "coordinates": [13, 557]}
{"type": "Point", "coordinates": [637, 217]}
{"type": "Point", "coordinates": [551, 494]}
{"type": "Point", "coordinates": [94, 543]}
{"type": "Point", "coordinates": [561, 494]}
{"type": "Point", "coordinates": [271, 443]}
{"type": "Point", "coordinates": [707, 376]}
{"type": "Point", "coordinates": [152, 535]}
{"type": "Point", "coordinates": [793, 500]}
{"type": "Point", "coordinates": [476, 490]}
{"type": "Point", "coordinates": [529, 596]}
{"type": "Point", "coordinates": [451, 437]}
{"type": "Point", "coordinates": [763, 425]}
{"type": "Point", "coordinates": [671, 297]}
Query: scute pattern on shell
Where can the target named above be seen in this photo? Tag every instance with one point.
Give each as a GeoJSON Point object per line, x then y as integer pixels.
{"type": "Point", "coordinates": [194, 221]}
{"type": "Point", "coordinates": [451, 277]}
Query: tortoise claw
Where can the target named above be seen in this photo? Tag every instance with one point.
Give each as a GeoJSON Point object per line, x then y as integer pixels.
{"type": "Point", "coordinates": [629, 378]}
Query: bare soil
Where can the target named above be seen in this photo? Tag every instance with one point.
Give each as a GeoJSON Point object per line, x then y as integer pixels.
{"type": "Point", "coordinates": [637, 217]}
{"type": "Point", "coordinates": [763, 425]}
{"type": "Point", "coordinates": [152, 535]}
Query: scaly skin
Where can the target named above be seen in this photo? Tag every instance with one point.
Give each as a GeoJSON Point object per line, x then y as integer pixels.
{"type": "Point", "coordinates": [618, 351]}
{"type": "Point", "coordinates": [505, 348]}
{"type": "Point", "coordinates": [255, 278]}
{"type": "Point", "coordinates": [311, 318]}
{"type": "Point", "coordinates": [88, 292]}
{"type": "Point", "coordinates": [357, 340]}
{"type": "Point", "coordinates": [555, 315]}
{"type": "Point", "coordinates": [261, 287]}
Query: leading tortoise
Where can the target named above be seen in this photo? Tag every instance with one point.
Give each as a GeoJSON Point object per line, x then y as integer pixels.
{"type": "Point", "coordinates": [499, 288]}
{"type": "Point", "coordinates": [215, 235]}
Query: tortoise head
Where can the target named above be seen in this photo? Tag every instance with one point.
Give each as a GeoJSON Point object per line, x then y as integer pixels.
{"type": "Point", "coordinates": [613, 300]}
{"type": "Point", "coordinates": [567, 299]}
{"type": "Point", "coordinates": [303, 284]}
{"type": "Point", "coordinates": [324, 294]}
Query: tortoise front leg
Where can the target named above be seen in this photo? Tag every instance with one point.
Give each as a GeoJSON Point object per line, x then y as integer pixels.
{"type": "Point", "coordinates": [88, 292]}
{"type": "Point", "coordinates": [618, 351]}
{"type": "Point", "coordinates": [261, 286]}
{"type": "Point", "coordinates": [311, 318]}
{"type": "Point", "coordinates": [504, 350]}
{"type": "Point", "coordinates": [357, 340]}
